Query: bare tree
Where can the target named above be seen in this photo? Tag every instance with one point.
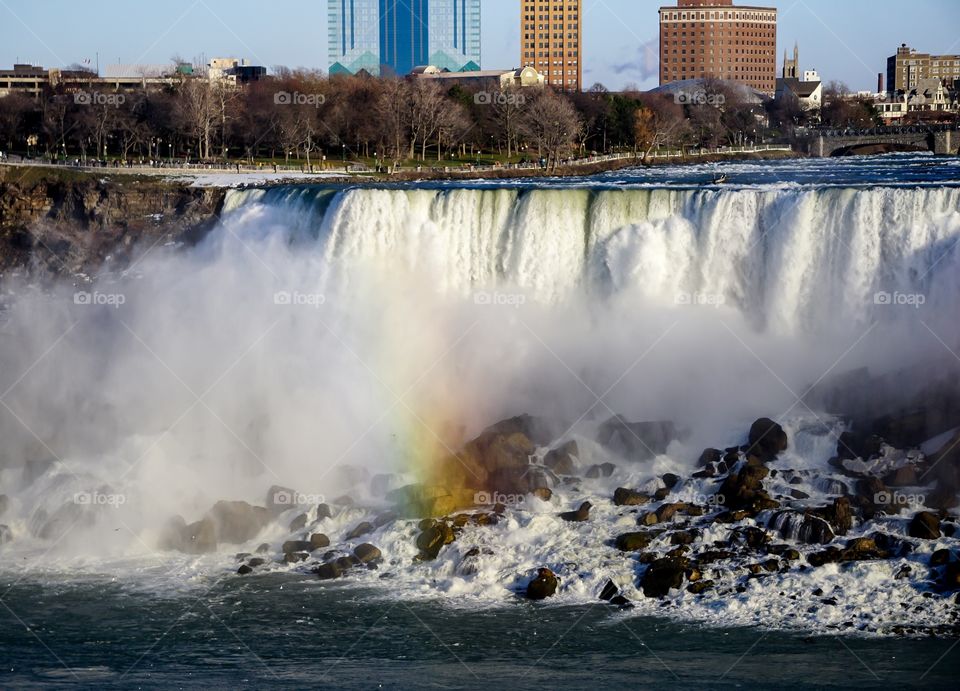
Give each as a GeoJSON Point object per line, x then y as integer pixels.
{"type": "Point", "coordinates": [553, 124]}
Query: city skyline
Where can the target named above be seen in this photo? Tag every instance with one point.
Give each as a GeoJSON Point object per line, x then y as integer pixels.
{"type": "Point", "coordinates": [620, 37]}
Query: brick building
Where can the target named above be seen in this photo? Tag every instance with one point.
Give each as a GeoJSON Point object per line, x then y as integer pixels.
{"type": "Point", "coordinates": [552, 33]}
{"type": "Point", "coordinates": [715, 38]}
{"type": "Point", "coordinates": [908, 68]}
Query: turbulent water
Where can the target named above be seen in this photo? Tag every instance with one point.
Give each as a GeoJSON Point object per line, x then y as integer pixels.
{"type": "Point", "coordinates": [317, 327]}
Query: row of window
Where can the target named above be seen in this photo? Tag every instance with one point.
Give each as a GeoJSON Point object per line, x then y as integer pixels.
{"type": "Point", "coordinates": [684, 16]}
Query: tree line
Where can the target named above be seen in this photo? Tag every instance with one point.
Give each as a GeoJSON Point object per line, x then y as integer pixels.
{"type": "Point", "coordinates": [307, 117]}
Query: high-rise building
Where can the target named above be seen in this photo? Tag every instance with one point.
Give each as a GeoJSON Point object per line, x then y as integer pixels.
{"type": "Point", "coordinates": [715, 38]}
{"type": "Point", "coordinates": [907, 68]}
{"type": "Point", "coordinates": [394, 36]}
{"type": "Point", "coordinates": [552, 33]}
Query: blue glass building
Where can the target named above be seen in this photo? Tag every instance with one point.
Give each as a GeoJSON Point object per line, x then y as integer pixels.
{"type": "Point", "coordinates": [394, 36]}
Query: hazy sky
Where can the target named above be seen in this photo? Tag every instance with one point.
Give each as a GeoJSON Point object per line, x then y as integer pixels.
{"type": "Point", "coordinates": [847, 40]}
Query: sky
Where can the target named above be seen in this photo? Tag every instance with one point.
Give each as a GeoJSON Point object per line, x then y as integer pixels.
{"type": "Point", "coordinates": [845, 40]}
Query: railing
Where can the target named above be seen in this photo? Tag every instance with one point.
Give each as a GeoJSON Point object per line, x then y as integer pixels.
{"type": "Point", "coordinates": [875, 131]}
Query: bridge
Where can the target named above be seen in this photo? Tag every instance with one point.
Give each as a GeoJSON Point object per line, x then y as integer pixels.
{"type": "Point", "coordinates": [940, 139]}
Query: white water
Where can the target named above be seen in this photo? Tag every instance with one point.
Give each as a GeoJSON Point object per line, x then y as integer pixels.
{"type": "Point", "coordinates": [707, 307]}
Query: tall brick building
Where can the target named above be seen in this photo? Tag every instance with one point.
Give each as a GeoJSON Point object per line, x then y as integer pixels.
{"type": "Point", "coordinates": [908, 68]}
{"type": "Point", "coordinates": [552, 32]}
{"type": "Point", "coordinates": [715, 38]}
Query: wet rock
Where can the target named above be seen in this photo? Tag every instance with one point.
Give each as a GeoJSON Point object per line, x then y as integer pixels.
{"type": "Point", "coordinates": [295, 557]}
{"type": "Point", "coordinates": [904, 476]}
{"type": "Point", "coordinates": [710, 457]}
{"type": "Point", "coordinates": [244, 570]}
{"type": "Point", "coordinates": [200, 537]}
{"type": "Point", "coordinates": [700, 587]}
{"type": "Point", "coordinates": [544, 493]}
{"type": "Point", "coordinates": [328, 571]}
{"type": "Point", "coordinates": [903, 572]}
{"type": "Point", "coordinates": [839, 514]}
{"type": "Point", "coordinates": [238, 521]}
{"type": "Point", "coordinates": [507, 445]}
{"type": "Point", "coordinates": [639, 441]}
{"type": "Point", "coordinates": [629, 497]}
{"type": "Point", "coordinates": [670, 480]}
{"type": "Point", "coordinates": [924, 525]}
{"type": "Point", "coordinates": [940, 557]}
{"type": "Point", "coordinates": [384, 518]}
{"type": "Point", "coordinates": [345, 563]}
{"type": "Point", "coordinates": [256, 561]}
{"type": "Point", "coordinates": [263, 548]}
{"type": "Point", "coordinates": [621, 602]}
{"type": "Point", "coordinates": [633, 542]}
{"type": "Point", "coordinates": [543, 586]}
{"type": "Point", "coordinates": [802, 527]}
{"type": "Point", "coordinates": [297, 546]}
{"type": "Point", "coordinates": [323, 511]}
{"type": "Point", "coordinates": [711, 556]}
{"type": "Point", "coordinates": [744, 489]}
{"type": "Point", "coordinates": [561, 459]}
{"type": "Point", "coordinates": [664, 575]}
{"type": "Point", "coordinates": [683, 537]}
{"type": "Point", "coordinates": [600, 470]}
{"type": "Point", "coordinates": [667, 511]}
{"type": "Point", "coordinates": [362, 529]}
{"type": "Point", "coordinates": [766, 440]}
{"type": "Point", "coordinates": [432, 540]}
{"type": "Point", "coordinates": [432, 500]}
{"type": "Point", "coordinates": [951, 576]}
{"type": "Point", "coordinates": [279, 499]}
{"type": "Point", "coordinates": [852, 445]}
{"type": "Point", "coordinates": [367, 553]}
{"type": "Point", "coordinates": [298, 523]}
{"type": "Point", "coordinates": [753, 537]}
{"type": "Point", "coordinates": [609, 591]}
{"type": "Point", "coordinates": [661, 493]}
{"type": "Point", "coordinates": [578, 516]}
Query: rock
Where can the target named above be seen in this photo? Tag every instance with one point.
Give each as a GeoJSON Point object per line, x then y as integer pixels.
{"type": "Point", "coordinates": [683, 537]}
{"type": "Point", "coordinates": [367, 553]}
{"type": "Point", "coordinates": [601, 470]}
{"type": "Point", "coordinates": [798, 494]}
{"type": "Point", "coordinates": [629, 497]}
{"type": "Point", "coordinates": [297, 546]}
{"type": "Point", "coordinates": [802, 527]}
{"type": "Point", "coordinates": [578, 516]}
{"type": "Point", "coordinates": [295, 557]}
{"type": "Point", "coordinates": [903, 572]}
{"type": "Point", "coordinates": [638, 441]}
{"type": "Point", "coordinates": [661, 493]}
{"type": "Point", "coordinates": [904, 476]}
{"type": "Point", "coordinates": [664, 575]}
{"type": "Point", "coordinates": [432, 540]}
{"type": "Point", "coordinates": [200, 537]}
{"type": "Point", "coordinates": [509, 444]}
{"type": "Point", "coordinates": [328, 571]}
{"type": "Point", "coordinates": [667, 511]}
{"type": "Point", "coordinates": [940, 557]}
{"type": "Point", "coordinates": [700, 587]}
{"type": "Point", "coordinates": [263, 548]}
{"type": "Point", "coordinates": [710, 457]}
{"type": "Point", "coordinates": [609, 591]}
{"type": "Point", "coordinates": [244, 570]}
{"type": "Point", "coordinates": [766, 440]}
{"type": "Point", "coordinates": [838, 514]}
{"type": "Point", "coordinates": [924, 525]}
{"type": "Point", "coordinates": [544, 493]}
{"type": "Point", "coordinates": [951, 576]}
{"type": "Point", "coordinates": [298, 523]}
{"type": "Point", "coordinates": [362, 529]}
{"type": "Point", "coordinates": [318, 541]}
{"type": "Point", "coordinates": [851, 445]}
{"type": "Point", "coordinates": [561, 459]}
{"type": "Point", "coordinates": [323, 511]}
{"type": "Point", "coordinates": [633, 542]}
{"type": "Point", "coordinates": [621, 602]}
{"type": "Point", "coordinates": [279, 499]}
{"type": "Point", "coordinates": [431, 500]}
{"type": "Point", "coordinates": [384, 518]}
{"type": "Point", "coordinates": [6, 535]}
{"type": "Point", "coordinates": [543, 586]}
{"type": "Point", "coordinates": [346, 563]}
{"type": "Point", "coordinates": [670, 480]}
{"type": "Point", "coordinates": [744, 489]}
{"type": "Point", "coordinates": [256, 561]}
{"type": "Point", "coordinates": [237, 521]}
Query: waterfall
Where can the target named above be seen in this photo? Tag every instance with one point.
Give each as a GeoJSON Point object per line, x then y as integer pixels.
{"type": "Point", "coordinates": [789, 259]}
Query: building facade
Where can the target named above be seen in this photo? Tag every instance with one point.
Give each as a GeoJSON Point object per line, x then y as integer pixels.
{"type": "Point", "coordinates": [552, 40]}
{"type": "Point", "coordinates": [715, 38]}
{"type": "Point", "coordinates": [391, 37]}
{"type": "Point", "coordinates": [908, 68]}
